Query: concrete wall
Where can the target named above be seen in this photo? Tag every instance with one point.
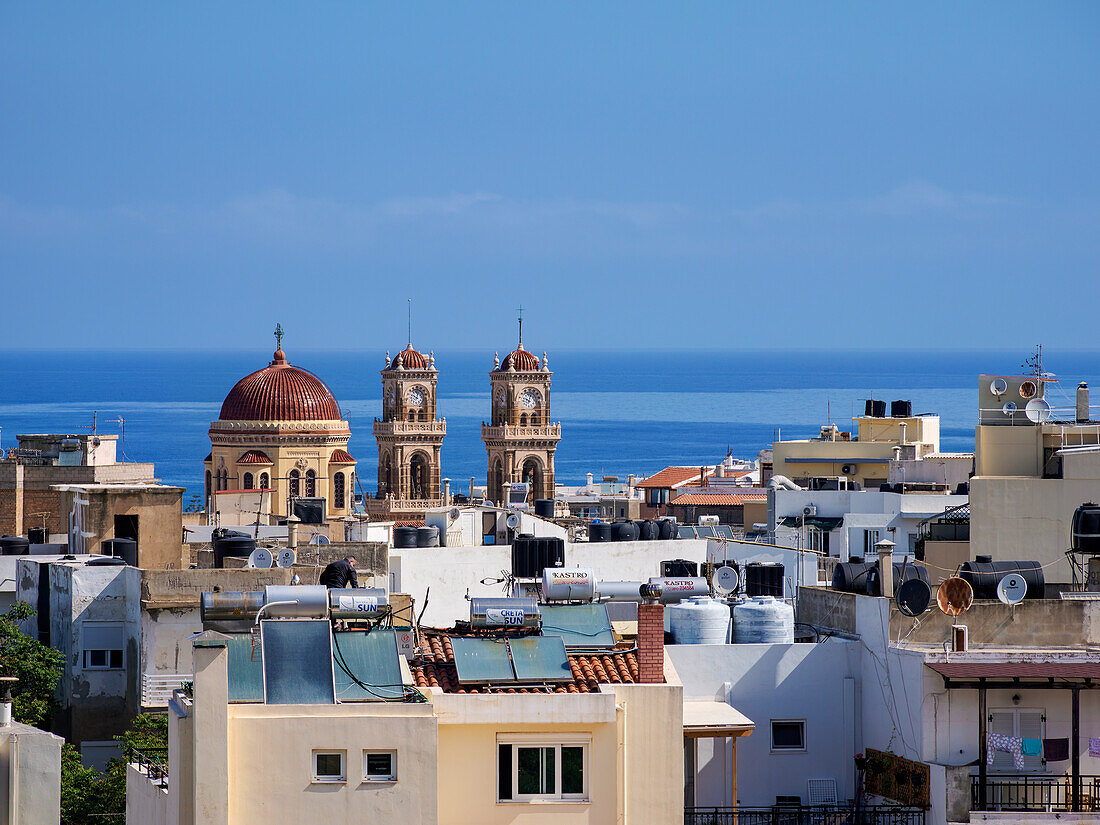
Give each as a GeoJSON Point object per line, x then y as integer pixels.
{"type": "Point", "coordinates": [799, 567]}
{"type": "Point", "coordinates": [30, 776]}
{"type": "Point", "coordinates": [159, 511]}
{"type": "Point", "coordinates": [146, 801]}
{"type": "Point", "coordinates": [767, 682]}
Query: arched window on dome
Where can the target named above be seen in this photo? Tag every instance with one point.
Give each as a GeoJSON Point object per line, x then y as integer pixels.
{"type": "Point", "coordinates": [523, 419]}
{"type": "Point", "coordinates": [534, 419]}
{"type": "Point", "coordinates": [247, 482]}
{"type": "Point", "coordinates": [209, 481]}
{"type": "Point", "coordinates": [265, 483]}
{"type": "Point", "coordinates": [311, 483]}
{"type": "Point", "coordinates": [338, 491]}
{"type": "Point", "coordinates": [295, 484]}
{"type": "Point", "coordinates": [223, 479]}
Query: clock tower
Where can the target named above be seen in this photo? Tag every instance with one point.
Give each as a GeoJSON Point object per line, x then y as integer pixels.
{"type": "Point", "coordinates": [410, 438]}
{"type": "Point", "coordinates": [520, 439]}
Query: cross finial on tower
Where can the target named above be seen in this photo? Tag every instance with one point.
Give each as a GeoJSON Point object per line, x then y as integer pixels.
{"type": "Point", "coordinates": [520, 310]}
{"type": "Point", "coordinates": [410, 321]}
{"type": "Point", "coordinates": [278, 336]}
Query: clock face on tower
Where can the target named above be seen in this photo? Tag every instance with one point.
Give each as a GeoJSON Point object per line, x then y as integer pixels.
{"type": "Point", "coordinates": [416, 397]}
{"type": "Point", "coordinates": [529, 399]}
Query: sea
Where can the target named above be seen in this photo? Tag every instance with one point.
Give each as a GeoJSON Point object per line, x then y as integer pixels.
{"type": "Point", "coordinates": [621, 412]}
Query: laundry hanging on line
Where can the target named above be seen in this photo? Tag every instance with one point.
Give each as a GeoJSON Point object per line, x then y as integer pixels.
{"type": "Point", "coordinates": [1008, 744]}
{"type": "Point", "coordinates": [1056, 750]}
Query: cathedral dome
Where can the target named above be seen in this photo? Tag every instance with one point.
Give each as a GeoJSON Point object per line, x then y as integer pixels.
{"type": "Point", "coordinates": [280, 392]}
{"type": "Point", "coordinates": [409, 359]}
{"type": "Point", "coordinates": [520, 360]}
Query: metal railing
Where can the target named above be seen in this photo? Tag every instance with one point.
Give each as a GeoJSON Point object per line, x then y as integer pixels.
{"type": "Point", "coordinates": [1034, 792]}
{"type": "Point", "coordinates": [806, 815]}
{"type": "Point", "coordinates": [157, 688]}
{"type": "Point", "coordinates": [153, 762]}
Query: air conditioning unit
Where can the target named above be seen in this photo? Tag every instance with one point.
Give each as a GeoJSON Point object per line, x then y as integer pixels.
{"type": "Point", "coordinates": [848, 469]}
{"type": "Point", "coordinates": [809, 510]}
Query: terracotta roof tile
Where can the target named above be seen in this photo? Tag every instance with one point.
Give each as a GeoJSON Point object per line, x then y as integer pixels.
{"type": "Point", "coordinates": [672, 477]}
{"type": "Point", "coordinates": [254, 457]}
{"type": "Point", "coordinates": [719, 499]}
{"type": "Point", "coordinates": [340, 456]}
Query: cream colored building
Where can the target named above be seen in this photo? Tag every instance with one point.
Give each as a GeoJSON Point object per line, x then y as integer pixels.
{"type": "Point", "coordinates": [864, 458]}
{"type": "Point", "coordinates": [1030, 476]}
{"type": "Point", "coordinates": [280, 428]}
{"type": "Point", "coordinates": [606, 746]}
{"type": "Point", "coordinates": [30, 775]}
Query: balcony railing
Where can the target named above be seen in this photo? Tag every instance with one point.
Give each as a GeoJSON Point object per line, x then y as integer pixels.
{"type": "Point", "coordinates": [438, 427]}
{"type": "Point", "coordinates": [153, 762]}
{"type": "Point", "coordinates": [1034, 792]}
{"type": "Point", "coordinates": [156, 689]}
{"type": "Point", "coordinates": [798, 815]}
{"type": "Point", "coordinates": [515, 431]}
{"type": "Point", "coordinates": [381, 505]}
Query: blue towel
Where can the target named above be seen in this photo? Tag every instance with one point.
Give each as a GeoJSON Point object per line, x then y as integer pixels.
{"type": "Point", "coordinates": [1032, 747]}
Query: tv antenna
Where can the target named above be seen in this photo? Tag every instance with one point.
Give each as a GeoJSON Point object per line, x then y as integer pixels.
{"type": "Point", "coordinates": [1035, 362]}
{"type": "Point", "coordinates": [122, 425]}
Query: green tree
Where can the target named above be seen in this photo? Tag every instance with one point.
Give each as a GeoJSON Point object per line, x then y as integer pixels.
{"type": "Point", "coordinates": [37, 666]}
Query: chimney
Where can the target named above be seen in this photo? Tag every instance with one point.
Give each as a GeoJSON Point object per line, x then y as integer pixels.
{"type": "Point", "coordinates": [903, 438]}
{"type": "Point", "coordinates": [292, 531]}
{"type": "Point", "coordinates": [651, 636]}
{"type": "Point", "coordinates": [1082, 403]}
{"type": "Point", "coordinates": [5, 702]}
{"type": "Point", "coordinates": [630, 480]}
{"type": "Point", "coordinates": [886, 568]}
{"type": "Point", "coordinates": [446, 492]}
{"type": "Point", "coordinates": [589, 479]}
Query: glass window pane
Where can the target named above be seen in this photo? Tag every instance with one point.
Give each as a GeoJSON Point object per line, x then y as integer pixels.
{"type": "Point", "coordinates": [504, 771]}
{"type": "Point", "coordinates": [328, 765]}
{"type": "Point", "coordinates": [379, 764]}
{"type": "Point", "coordinates": [536, 770]}
{"type": "Point", "coordinates": [572, 769]}
{"type": "Point", "coordinates": [787, 736]}
{"type": "Point", "coordinates": [116, 658]}
{"type": "Point", "coordinates": [549, 775]}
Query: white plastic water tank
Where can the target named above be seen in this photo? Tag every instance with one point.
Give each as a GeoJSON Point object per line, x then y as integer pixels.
{"type": "Point", "coordinates": [699, 621]}
{"type": "Point", "coordinates": [763, 620]}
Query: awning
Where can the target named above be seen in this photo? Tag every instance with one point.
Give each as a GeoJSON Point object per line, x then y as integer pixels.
{"type": "Point", "coordinates": [991, 673]}
{"type": "Point", "coordinates": [715, 719]}
{"type": "Point", "coordinates": [820, 522]}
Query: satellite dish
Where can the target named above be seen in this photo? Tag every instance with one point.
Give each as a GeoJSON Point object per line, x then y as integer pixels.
{"type": "Point", "coordinates": [285, 558]}
{"type": "Point", "coordinates": [1009, 407]}
{"type": "Point", "coordinates": [1028, 389]}
{"type": "Point", "coordinates": [725, 580]}
{"type": "Point", "coordinates": [1012, 589]}
{"type": "Point", "coordinates": [455, 513]}
{"type": "Point", "coordinates": [512, 521]}
{"type": "Point", "coordinates": [998, 386]}
{"type": "Point", "coordinates": [1037, 410]}
{"type": "Point", "coordinates": [319, 539]}
{"type": "Point", "coordinates": [913, 597]}
{"type": "Point", "coordinates": [955, 596]}
{"type": "Point", "coordinates": [260, 557]}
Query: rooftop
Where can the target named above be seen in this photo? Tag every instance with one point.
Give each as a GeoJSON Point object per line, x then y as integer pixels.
{"type": "Point", "coordinates": [673, 477]}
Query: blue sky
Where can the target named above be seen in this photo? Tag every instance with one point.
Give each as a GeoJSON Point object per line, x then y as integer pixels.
{"type": "Point", "coordinates": [720, 175]}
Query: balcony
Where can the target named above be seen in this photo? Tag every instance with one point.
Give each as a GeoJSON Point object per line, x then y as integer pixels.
{"type": "Point", "coordinates": [490, 432]}
{"type": "Point", "coordinates": [808, 815]}
{"type": "Point", "coordinates": [157, 689]}
{"type": "Point", "coordinates": [1035, 793]}
{"type": "Point", "coordinates": [395, 505]}
{"type": "Point", "coordinates": [438, 427]}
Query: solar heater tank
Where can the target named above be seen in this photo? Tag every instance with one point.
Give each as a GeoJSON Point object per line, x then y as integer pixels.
{"type": "Point", "coordinates": [501, 613]}
{"type": "Point", "coordinates": [560, 584]}
{"type": "Point", "coordinates": [356, 602]}
{"type": "Point", "coordinates": [303, 601]}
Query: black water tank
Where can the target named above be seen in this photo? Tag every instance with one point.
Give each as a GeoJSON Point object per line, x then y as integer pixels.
{"type": "Point", "coordinates": [869, 408]}
{"type": "Point", "coordinates": [1084, 529]}
{"type": "Point", "coordinates": [679, 569]}
{"type": "Point", "coordinates": [125, 549]}
{"type": "Point", "coordinates": [38, 535]}
{"type": "Point", "coordinates": [599, 531]}
{"type": "Point", "coordinates": [667, 529]}
{"type": "Point", "coordinates": [544, 507]}
{"type": "Point", "coordinates": [851, 576]}
{"type": "Point", "coordinates": [912, 571]}
{"type": "Point", "coordinates": [14, 546]}
{"type": "Point", "coordinates": [648, 530]}
{"type": "Point", "coordinates": [962, 488]}
{"type": "Point", "coordinates": [901, 409]}
{"type": "Point", "coordinates": [624, 531]}
{"type": "Point", "coordinates": [427, 536]}
{"type": "Point", "coordinates": [404, 537]}
{"type": "Point", "coordinates": [235, 545]}
{"type": "Point", "coordinates": [764, 578]}
{"type": "Point", "coordinates": [531, 555]}
{"type": "Point", "coordinates": [984, 575]}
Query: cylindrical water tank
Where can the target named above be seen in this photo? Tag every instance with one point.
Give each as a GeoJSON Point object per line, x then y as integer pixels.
{"type": "Point", "coordinates": [624, 531]}
{"type": "Point", "coordinates": [674, 589]}
{"type": "Point", "coordinates": [1084, 529]}
{"type": "Point", "coordinates": [699, 621]}
{"type": "Point", "coordinates": [648, 530]}
{"type": "Point", "coordinates": [763, 620]}
{"type": "Point", "coordinates": [560, 584]}
{"type": "Point", "coordinates": [235, 546]}
{"type": "Point", "coordinates": [125, 549]}
{"type": "Point", "coordinates": [544, 507]}
{"type": "Point", "coordinates": [14, 546]}
{"type": "Point", "coordinates": [902, 573]}
{"type": "Point", "coordinates": [230, 605]}
{"type": "Point", "coordinates": [404, 537]}
{"type": "Point", "coordinates": [312, 601]}
{"type": "Point", "coordinates": [599, 531]}
{"type": "Point", "coordinates": [620, 591]}
{"type": "Point", "coordinates": [679, 568]}
{"type": "Point", "coordinates": [764, 578]}
{"type": "Point", "coordinates": [667, 529]}
{"type": "Point", "coordinates": [427, 536]}
{"type": "Point", "coordinates": [984, 575]}
{"type": "Point", "coordinates": [851, 576]}
{"type": "Point", "coordinates": [356, 602]}
{"type": "Point", "coordinates": [490, 612]}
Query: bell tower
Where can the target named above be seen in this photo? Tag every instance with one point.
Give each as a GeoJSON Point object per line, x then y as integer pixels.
{"type": "Point", "coordinates": [410, 437]}
{"type": "Point", "coordinates": [520, 438]}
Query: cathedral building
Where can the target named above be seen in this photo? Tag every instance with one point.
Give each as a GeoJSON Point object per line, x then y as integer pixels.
{"type": "Point", "coordinates": [280, 429]}
{"type": "Point", "coordinates": [410, 439]}
{"type": "Point", "coordinates": [520, 438]}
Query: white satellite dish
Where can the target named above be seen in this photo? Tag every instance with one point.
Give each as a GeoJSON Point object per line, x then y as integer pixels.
{"type": "Point", "coordinates": [1009, 407]}
{"type": "Point", "coordinates": [1037, 410]}
{"type": "Point", "coordinates": [512, 521]}
{"type": "Point", "coordinates": [260, 557]}
{"type": "Point", "coordinates": [725, 581]}
{"type": "Point", "coordinates": [998, 386]}
{"type": "Point", "coordinates": [285, 558]}
{"type": "Point", "coordinates": [319, 539]}
{"type": "Point", "coordinates": [1012, 589]}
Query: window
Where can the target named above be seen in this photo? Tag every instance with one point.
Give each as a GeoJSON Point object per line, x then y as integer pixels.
{"type": "Point", "coordinates": [338, 491]}
{"type": "Point", "coordinates": [248, 482]}
{"type": "Point", "coordinates": [870, 539]}
{"type": "Point", "coordinates": [817, 540]}
{"type": "Point", "coordinates": [102, 644]}
{"type": "Point", "coordinates": [788, 735]}
{"type": "Point", "coordinates": [328, 766]}
{"type": "Point", "coordinates": [265, 484]}
{"type": "Point", "coordinates": [379, 766]}
{"type": "Point", "coordinates": [530, 770]}
{"type": "Point", "coordinates": [311, 483]}
{"type": "Point", "coordinates": [295, 488]}
{"type": "Point", "coordinates": [1027, 723]}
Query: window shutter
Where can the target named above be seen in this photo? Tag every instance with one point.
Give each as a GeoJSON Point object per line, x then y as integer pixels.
{"type": "Point", "coordinates": [1004, 723]}
{"type": "Point", "coordinates": [102, 636]}
{"type": "Point", "coordinates": [1031, 727]}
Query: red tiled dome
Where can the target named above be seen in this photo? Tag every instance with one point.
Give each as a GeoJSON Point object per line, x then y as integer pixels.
{"type": "Point", "coordinates": [410, 359]}
{"type": "Point", "coordinates": [280, 392]}
{"type": "Point", "coordinates": [341, 457]}
{"type": "Point", "coordinates": [521, 361]}
{"type": "Point", "coordinates": [254, 457]}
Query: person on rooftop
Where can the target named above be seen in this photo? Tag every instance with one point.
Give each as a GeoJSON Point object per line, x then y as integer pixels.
{"type": "Point", "coordinates": [340, 574]}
